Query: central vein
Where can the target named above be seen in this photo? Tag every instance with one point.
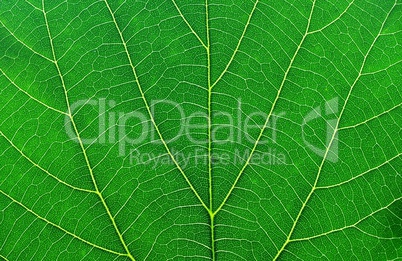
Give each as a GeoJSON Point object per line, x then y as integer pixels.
{"type": "Point", "coordinates": [211, 210]}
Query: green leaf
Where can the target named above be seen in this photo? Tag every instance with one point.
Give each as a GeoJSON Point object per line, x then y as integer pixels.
{"type": "Point", "coordinates": [200, 130]}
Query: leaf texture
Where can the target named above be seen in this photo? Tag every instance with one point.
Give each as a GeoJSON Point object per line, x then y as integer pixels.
{"type": "Point", "coordinates": [200, 130]}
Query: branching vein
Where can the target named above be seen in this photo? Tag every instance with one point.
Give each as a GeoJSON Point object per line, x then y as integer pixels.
{"type": "Point", "coordinates": [189, 25]}
{"type": "Point", "coordinates": [148, 107]}
{"type": "Point", "coordinates": [314, 187]}
{"type": "Point", "coordinates": [269, 114]}
{"type": "Point", "coordinates": [42, 169]}
{"type": "Point", "coordinates": [80, 140]}
{"type": "Point", "coordinates": [237, 46]}
{"type": "Point", "coordinates": [59, 227]}
{"type": "Point", "coordinates": [30, 96]}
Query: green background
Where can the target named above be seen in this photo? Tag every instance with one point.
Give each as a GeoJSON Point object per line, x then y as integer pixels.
{"type": "Point", "coordinates": [66, 199]}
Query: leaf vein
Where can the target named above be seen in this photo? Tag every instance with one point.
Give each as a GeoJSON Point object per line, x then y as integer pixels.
{"type": "Point", "coordinates": [59, 227]}
{"type": "Point", "coordinates": [361, 174]}
{"type": "Point", "coordinates": [42, 169]}
{"type": "Point", "coordinates": [237, 46]}
{"type": "Point", "coordinates": [269, 114]}
{"type": "Point", "coordinates": [30, 96]}
{"type": "Point", "coordinates": [148, 107]}
{"type": "Point", "coordinates": [189, 25]}
{"type": "Point", "coordinates": [102, 199]}
{"type": "Point", "coordinates": [24, 44]}
{"type": "Point", "coordinates": [314, 187]}
{"type": "Point", "coordinates": [346, 227]}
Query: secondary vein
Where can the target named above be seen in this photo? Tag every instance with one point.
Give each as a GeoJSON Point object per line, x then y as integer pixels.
{"type": "Point", "coordinates": [237, 46]}
{"type": "Point", "coordinates": [102, 199]}
{"type": "Point", "coordinates": [59, 227]}
{"type": "Point", "coordinates": [149, 109]}
{"type": "Point", "coordinates": [314, 187]}
{"type": "Point", "coordinates": [269, 114]}
{"type": "Point", "coordinates": [42, 169]}
{"type": "Point", "coordinates": [30, 96]}
{"type": "Point", "coordinates": [189, 25]}
{"type": "Point", "coordinates": [354, 225]}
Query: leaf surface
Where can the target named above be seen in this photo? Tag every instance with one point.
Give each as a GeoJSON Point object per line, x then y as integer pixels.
{"type": "Point", "coordinates": [200, 130]}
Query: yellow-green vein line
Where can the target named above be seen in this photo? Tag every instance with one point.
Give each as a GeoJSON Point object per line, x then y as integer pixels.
{"type": "Point", "coordinates": [42, 169]}
{"type": "Point", "coordinates": [80, 140]}
{"type": "Point", "coordinates": [370, 119]}
{"type": "Point", "coordinates": [209, 106]}
{"type": "Point", "coordinates": [269, 114]}
{"type": "Point", "coordinates": [59, 227]}
{"type": "Point", "coordinates": [314, 187]}
{"type": "Point", "coordinates": [361, 174]}
{"type": "Point", "coordinates": [4, 257]}
{"type": "Point", "coordinates": [212, 224]}
{"type": "Point", "coordinates": [345, 227]}
{"type": "Point", "coordinates": [149, 109]}
{"type": "Point", "coordinates": [188, 24]}
{"type": "Point", "coordinates": [30, 96]}
{"type": "Point", "coordinates": [336, 19]}
{"type": "Point", "coordinates": [237, 46]}
{"type": "Point", "coordinates": [24, 44]}
{"type": "Point", "coordinates": [36, 8]}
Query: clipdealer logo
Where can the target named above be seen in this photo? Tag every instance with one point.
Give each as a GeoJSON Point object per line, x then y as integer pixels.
{"type": "Point", "coordinates": [116, 126]}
